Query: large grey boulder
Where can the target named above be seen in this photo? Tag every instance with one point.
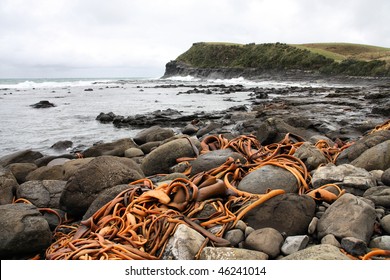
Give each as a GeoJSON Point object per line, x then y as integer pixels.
{"type": "Point", "coordinates": [184, 244]}
{"type": "Point", "coordinates": [23, 231]}
{"type": "Point", "coordinates": [21, 156]}
{"type": "Point", "coordinates": [116, 148]}
{"type": "Point", "coordinates": [269, 177]}
{"type": "Point", "coordinates": [377, 157]}
{"type": "Point", "coordinates": [45, 194]}
{"type": "Point", "coordinates": [54, 172]}
{"type": "Point", "coordinates": [318, 252]}
{"type": "Point", "coordinates": [311, 156]}
{"type": "Point", "coordinates": [363, 144]}
{"type": "Point", "coordinates": [353, 179]}
{"type": "Point", "coordinates": [213, 159]}
{"type": "Point", "coordinates": [8, 185]}
{"type": "Point", "coordinates": [21, 170]}
{"type": "Point", "coordinates": [99, 174]}
{"type": "Point", "coordinates": [348, 216]}
{"type": "Point", "coordinates": [153, 133]}
{"type": "Point", "coordinates": [380, 195]}
{"type": "Point", "coordinates": [289, 213]}
{"type": "Point", "coordinates": [163, 157]}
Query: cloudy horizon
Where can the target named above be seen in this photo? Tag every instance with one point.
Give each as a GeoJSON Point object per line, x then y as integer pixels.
{"type": "Point", "coordinates": [136, 38]}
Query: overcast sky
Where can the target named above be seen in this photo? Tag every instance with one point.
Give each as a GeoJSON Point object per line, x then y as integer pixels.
{"type": "Point", "coordinates": [128, 38]}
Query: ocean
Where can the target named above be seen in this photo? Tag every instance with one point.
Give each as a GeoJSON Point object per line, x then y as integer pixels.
{"type": "Point", "coordinates": [78, 102]}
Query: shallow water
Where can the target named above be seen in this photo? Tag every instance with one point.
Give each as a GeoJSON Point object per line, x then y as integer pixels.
{"type": "Point", "coordinates": [73, 117]}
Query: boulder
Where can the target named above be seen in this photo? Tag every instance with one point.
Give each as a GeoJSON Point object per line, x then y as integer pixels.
{"type": "Point", "coordinates": [380, 195]}
{"type": "Point", "coordinates": [21, 170]}
{"type": "Point", "coordinates": [213, 159]}
{"type": "Point", "coordinates": [363, 144]}
{"type": "Point", "coordinates": [23, 231]}
{"type": "Point", "coordinates": [295, 243]}
{"type": "Point", "coordinates": [354, 246]}
{"type": "Point", "coordinates": [274, 130]}
{"type": "Point", "coordinates": [116, 148]}
{"type": "Point", "coordinates": [318, 252]}
{"type": "Point", "coordinates": [377, 157]}
{"type": "Point", "coordinates": [226, 253]}
{"type": "Point", "coordinates": [72, 166]}
{"type": "Point", "coordinates": [54, 172]}
{"type": "Point", "coordinates": [381, 242]}
{"type": "Point", "coordinates": [58, 161]}
{"type": "Point", "coordinates": [184, 244]}
{"type": "Point", "coordinates": [163, 157]}
{"type": "Point", "coordinates": [45, 194]}
{"type": "Point", "coordinates": [331, 240]}
{"type": "Point", "coordinates": [289, 213]}
{"type": "Point", "coordinates": [8, 185]}
{"type": "Point", "coordinates": [269, 177]}
{"type": "Point", "coordinates": [385, 223]}
{"type": "Point", "coordinates": [348, 216]}
{"type": "Point", "coordinates": [104, 197]}
{"type": "Point", "coordinates": [266, 240]}
{"type": "Point", "coordinates": [42, 104]}
{"type": "Point", "coordinates": [353, 179]}
{"type": "Point", "coordinates": [62, 145]}
{"type": "Point", "coordinates": [152, 134]}
{"type": "Point", "coordinates": [234, 236]}
{"type": "Point", "coordinates": [134, 152]}
{"type": "Point", "coordinates": [385, 178]}
{"type": "Point", "coordinates": [310, 155]}
{"type": "Point", "coordinates": [21, 156]}
{"type": "Point", "coordinates": [100, 173]}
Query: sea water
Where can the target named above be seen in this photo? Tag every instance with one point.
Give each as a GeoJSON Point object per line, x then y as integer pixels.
{"type": "Point", "coordinates": [78, 102]}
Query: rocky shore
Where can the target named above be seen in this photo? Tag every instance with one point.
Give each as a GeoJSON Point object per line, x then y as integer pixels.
{"type": "Point", "coordinates": [300, 173]}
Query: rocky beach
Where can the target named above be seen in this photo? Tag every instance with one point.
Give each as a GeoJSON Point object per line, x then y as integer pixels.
{"type": "Point", "coordinates": [296, 173]}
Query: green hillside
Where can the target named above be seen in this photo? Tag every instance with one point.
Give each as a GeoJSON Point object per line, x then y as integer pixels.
{"type": "Point", "coordinates": [326, 58]}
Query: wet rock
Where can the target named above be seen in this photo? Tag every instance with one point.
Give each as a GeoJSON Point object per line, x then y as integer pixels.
{"type": "Point", "coordinates": [8, 185]}
{"type": "Point", "coordinates": [348, 216]}
{"type": "Point", "coordinates": [148, 147]}
{"type": "Point", "coordinates": [385, 178]}
{"type": "Point", "coordinates": [310, 155]}
{"type": "Point", "coordinates": [267, 240]}
{"type": "Point", "coordinates": [213, 159]}
{"type": "Point", "coordinates": [226, 253]}
{"type": "Point", "coordinates": [183, 245]}
{"type": "Point", "coordinates": [318, 252]}
{"type": "Point", "coordinates": [100, 173]}
{"type": "Point", "coordinates": [354, 246]}
{"type": "Point", "coordinates": [46, 173]}
{"type": "Point", "coordinates": [289, 213]}
{"type": "Point", "coordinates": [23, 231]}
{"type": "Point", "coordinates": [363, 144]}
{"type": "Point", "coordinates": [70, 167]}
{"type": "Point", "coordinates": [380, 195]}
{"type": "Point", "coordinates": [385, 223]}
{"type": "Point", "coordinates": [268, 177]}
{"type": "Point", "coordinates": [62, 145]}
{"type": "Point", "coordinates": [134, 152]}
{"type": "Point", "coordinates": [353, 179]}
{"type": "Point", "coordinates": [208, 129]}
{"type": "Point", "coordinates": [331, 240]}
{"type": "Point", "coordinates": [152, 134]}
{"type": "Point", "coordinates": [377, 157]}
{"type": "Point", "coordinates": [28, 156]}
{"type": "Point", "coordinates": [106, 117]}
{"type": "Point", "coordinates": [21, 170]}
{"type": "Point", "coordinates": [116, 148]}
{"type": "Point", "coordinates": [235, 236]}
{"type": "Point", "coordinates": [274, 130]}
{"type": "Point", "coordinates": [163, 157]}
{"type": "Point", "coordinates": [381, 242]}
{"type": "Point", "coordinates": [295, 243]}
{"type": "Point", "coordinates": [42, 104]}
{"type": "Point", "coordinates": [45, 194]}
{"type": "Point", "coordinates": [190, 129]}
{"type": "Point", "coordinates": [104, 197]}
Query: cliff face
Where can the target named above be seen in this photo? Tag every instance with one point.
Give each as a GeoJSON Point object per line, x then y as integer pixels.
{"type": "Point", "coordinates": [221, 60]}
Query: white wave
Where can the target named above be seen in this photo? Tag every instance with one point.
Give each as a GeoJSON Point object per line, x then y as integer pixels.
{"type": "Point", "coordinates": [29, 84]}
{"type": "Point", "coordinates": [188, 78]}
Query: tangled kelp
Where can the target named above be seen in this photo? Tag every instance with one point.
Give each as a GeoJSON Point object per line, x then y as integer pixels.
{"type": "Point", "coordinates": [138, 222]}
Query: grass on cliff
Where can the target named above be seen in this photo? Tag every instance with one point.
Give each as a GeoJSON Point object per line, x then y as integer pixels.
{"type": "Point", "coordinates": [327, 58]}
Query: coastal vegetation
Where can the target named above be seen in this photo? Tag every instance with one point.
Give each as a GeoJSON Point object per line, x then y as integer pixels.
{"type": "Point", "coordinates": [325, 58]}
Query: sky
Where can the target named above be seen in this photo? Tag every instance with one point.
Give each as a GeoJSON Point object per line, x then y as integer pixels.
{"type": "Point", "coordinates": [136, 38]}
